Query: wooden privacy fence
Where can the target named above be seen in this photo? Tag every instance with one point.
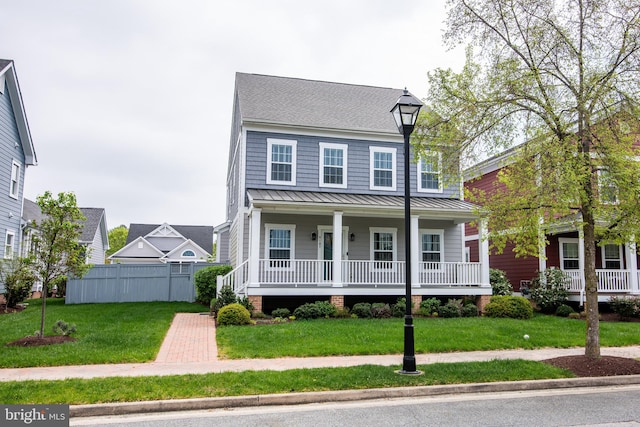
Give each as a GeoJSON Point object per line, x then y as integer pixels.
{"type": "Point", "coordinates": [135, 283]}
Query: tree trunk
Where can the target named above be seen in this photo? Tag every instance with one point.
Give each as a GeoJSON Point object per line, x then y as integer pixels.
{"type": "Point", "coordinates": [592, 345]}
{"type": "Point", "coordinates": [44, 305]}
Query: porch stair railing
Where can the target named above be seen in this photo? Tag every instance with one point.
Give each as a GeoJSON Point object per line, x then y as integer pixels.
{"type": "Point", "coordinates": [238, 279]}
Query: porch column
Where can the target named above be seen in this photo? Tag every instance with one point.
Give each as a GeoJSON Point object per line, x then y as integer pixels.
{"type": "Point", "coordinates": [542, 247]}
{"type": "Point", "coordinates": [337, 249]}
{"type": "Point", "coordinates": [254, 247]}
{"type": "Point", "coordinates": [415, 252]}
{"type": "Point", "coordinates": [581, 259]}
{"type": "Point", "coordinates": [483, 248]}
{"type": "Point", "coordinates": [632, 266]}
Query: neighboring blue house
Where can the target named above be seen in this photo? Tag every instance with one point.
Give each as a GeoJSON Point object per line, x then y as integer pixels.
{"type": "Point", "coordinates": [315, 206]}
{"type": "Point", "coordinates": [16, 153]}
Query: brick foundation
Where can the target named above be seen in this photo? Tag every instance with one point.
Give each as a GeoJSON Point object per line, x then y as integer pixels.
{"type": "Point", "coordinates": [415, 300]}
{"type": "Point", "coordinates": [337, 300]}
{"type": "Point", "coordinates": [482, 301]}
{"type": "Point", "coordinates": [256, 300]}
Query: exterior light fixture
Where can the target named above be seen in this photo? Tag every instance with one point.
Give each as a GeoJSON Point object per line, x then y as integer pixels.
{"type": "Point", "coordinates": [405, 113]}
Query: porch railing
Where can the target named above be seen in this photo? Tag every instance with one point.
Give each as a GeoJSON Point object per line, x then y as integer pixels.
{"type": "Point", "coordinates": [238, 279]}
{"type": "Point", "coordinates": [608, 280]}
{"type": "Point", "coordinates": [366, 272]}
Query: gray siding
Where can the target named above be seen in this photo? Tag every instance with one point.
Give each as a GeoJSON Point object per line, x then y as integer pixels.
{"type": "Point", "coordinates": [96, 256]}
{"type": "Point", "coordinates": [307, 176]}
{"type": "Point", "coordinates": [10, 151]}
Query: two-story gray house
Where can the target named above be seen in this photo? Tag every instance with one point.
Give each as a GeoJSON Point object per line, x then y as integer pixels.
{"type": "Point", "coordinates": [315, 201]}
{"type": "Point", "coordinates": [16, 153]}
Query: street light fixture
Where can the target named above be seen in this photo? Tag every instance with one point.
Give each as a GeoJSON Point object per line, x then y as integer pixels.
{"type": "Point", "coordinates": [405, 113]}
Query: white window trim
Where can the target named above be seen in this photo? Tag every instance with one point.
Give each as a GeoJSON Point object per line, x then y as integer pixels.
{"type": "Point", "coordinates": [393, 151]}
{"type": "Point", "coordinates": [188, 256]}
{"type": "Point", "coordinates": [18, 166]}
{"type": "Point", "coordinates": [604, 260]}
{"type": "Point", "coordinates": [6, 244]}
{"type": "Point", "coordinates": [562, 240]}
{"type": "Point", "coordinates": [602, 188]}
{"type": "Point", "coordinates": [394, 233]}
{"type": "Point", "coordinates": [344, 148]}
{"type": "Point", "coordinates": [292, 248]}
{"type": "Point", "coordinates": [294, 159]}
{"type": "Point", "coordinates": [438, 232]}
{"type": "Point", "coordinates": [439, 173]}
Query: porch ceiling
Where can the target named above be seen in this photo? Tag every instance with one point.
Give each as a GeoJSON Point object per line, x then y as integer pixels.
{"type": "Point", "coordinates": [360, 204]}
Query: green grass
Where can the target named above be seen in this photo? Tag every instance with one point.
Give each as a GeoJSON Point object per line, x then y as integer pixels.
{"type": "Point", "coordinates": [106, 333]}
{"type": "Point", "coordinates": [101, 390]}
{"type": "Point", "coordinates": [432, 335]}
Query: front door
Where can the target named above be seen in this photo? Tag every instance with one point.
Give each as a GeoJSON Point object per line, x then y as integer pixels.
{"type": "Point", "coordinates": [326, 248]}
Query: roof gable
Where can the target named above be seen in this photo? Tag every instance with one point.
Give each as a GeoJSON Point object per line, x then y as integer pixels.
{"type": "Point", "coordinates": [176, 254]}
{"type": "Point", "coordinates": [138, 248]}
{"type": "Point", "coordinates": [9, 80]}
{"type": "Point", "coordinates": [312, 104]}
{"type": "Point", "coordinates": [201, 235]}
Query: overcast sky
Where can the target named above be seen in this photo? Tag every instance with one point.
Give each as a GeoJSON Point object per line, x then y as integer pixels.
{"type": "Point", "coordinates": [129, 102]}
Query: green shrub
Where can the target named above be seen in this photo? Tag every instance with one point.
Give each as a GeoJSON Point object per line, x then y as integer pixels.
{"type": "Point", "coordinates": [18, 280]}
{"type": "Point", "coordinates": [453, 308]}
{"type": "Point", "coordinates": [307, 311]}
{"type": "Point", "coordinates": [214, 307]}
{"type": "Point", "coordinates": [564, 310]}
{"type": "Point", "coordinates": [234, 314]}
{"type": "Point", "coordinates": [380, 311]}
{"type": "Point", "coordinates": [362, 310]}
{"type": "Point", "coordinates": [205, 281]}
{"type": "Point", "coordinates": [399, 309]}
{"type": "Point", "coordinates": [514, 307]}
{"type": "Point", "coordinates": [499, 282]}
{"type": "Point", "coordinates": [246, 303]}
{"type": "Point", "coordinates": [282, 313]}
{"type": "Point", "coordinates": [343, 313]}
{"type": "Point", "coordinates": [625, 306]}
{"type": "Point", "coordinates": [326, 308]}
{"type": "Point", "coordinates": [60, 285]}
{"type": "Point", "coordinates": [549, 289]}
{"type": "Point", "coordinates": [469, 310]}
{"type": "Point", "coordinates": [227, 296]}
{"type": "Point", "coordinates": [63, 328]}
{"type": "Point", "coordinates": [429, 306]}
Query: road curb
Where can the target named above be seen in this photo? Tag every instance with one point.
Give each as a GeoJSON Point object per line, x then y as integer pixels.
{"type": "Point", "coordinates": [340, 396]}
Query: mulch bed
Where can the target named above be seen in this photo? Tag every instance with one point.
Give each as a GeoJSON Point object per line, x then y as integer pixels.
{"type": "Point", "coordinates": [605, 366]}
{"type": "Point", "coordinates": [33, 341]}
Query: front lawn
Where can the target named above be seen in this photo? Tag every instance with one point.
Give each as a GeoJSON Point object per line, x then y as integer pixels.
{"type": "Point", "coordinates": [106, 333]}
{"type": "Point", "coordinates": [329, 337]}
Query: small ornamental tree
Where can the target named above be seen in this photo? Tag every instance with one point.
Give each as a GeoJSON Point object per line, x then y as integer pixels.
{"type": "Point", "coordinates": [58, 252]}
{"type": "Point", "coordinates": [17, 278]}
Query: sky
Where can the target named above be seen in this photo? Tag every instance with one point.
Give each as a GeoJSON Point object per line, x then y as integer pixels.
{"type": "Point", "coordinates": [129, 101]}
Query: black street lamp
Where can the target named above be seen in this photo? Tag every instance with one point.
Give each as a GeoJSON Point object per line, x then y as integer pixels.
{"type": "Point", "coordinates": [405, 113]}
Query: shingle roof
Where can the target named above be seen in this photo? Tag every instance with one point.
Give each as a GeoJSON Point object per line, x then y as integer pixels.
{"type": "Point", "coordinates": [4, 63]}
{"type": "Point", "coordinates": [436, 204]}
{"type": "Point", "coordinates": [31, 212]}
{"type": "Point", "coordinates": [319, 104]}
{"type": "Point", "coordinates": [202, 235]}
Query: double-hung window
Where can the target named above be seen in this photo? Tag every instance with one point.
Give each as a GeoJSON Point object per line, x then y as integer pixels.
{"type": "Point", "coordinates": [280, 245]}
{"type": "Point", "coordinates": [333, 165]}
{"type": "Point", "coordinates": [383, 247]}
{"type": "Point", "coordinates": [382, 170]}
{"type": "Point", "coordinates": [606, 187]}
{"type": "Point", "coordinates": [9, 241]}
{"type": "Point", "coordinates": [14, 186]}
{"type": "Point", "coordinates": [611, 257]}
{"type": "Point", "coordinates": [281, 164]}
{"type": "Point", "coordinates": [429, 173]}
{"type": "Point", "coordinates": [431, 247]}
{"type": "Point", "coordinates": [569, 254]}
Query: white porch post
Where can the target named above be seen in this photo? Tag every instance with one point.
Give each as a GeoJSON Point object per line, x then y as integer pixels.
{"type": "Point", "coordinates": [254, 247]}
{"type": "Point", "coordinates": [337, 249]}
{"type": "Point", "coordinates": [415, 252]}
{"type": "Point", "coordinates": [483, 248]}
{"type": "Point", "coordinates": [542, 248]}
{"type": "Point", "coordinates": [581, 259]}
{"type": "Point", "coordinates": [632, 266]}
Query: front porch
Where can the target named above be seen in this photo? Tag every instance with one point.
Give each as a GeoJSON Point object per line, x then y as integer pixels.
{"type": "Point", "coordinates": [349, 277]}
{"type": "Point", "coordinates": [610, 283]}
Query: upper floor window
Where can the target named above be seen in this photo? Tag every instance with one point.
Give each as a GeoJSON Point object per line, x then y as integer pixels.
{"type": "Point", "coordinates": [281, 164]}
{"type": "Point", "coordinates": [569, 254]}
{"type": "Point", "coordinates": [611, 257]}
{"type": "Point", "coordinates": [432, 246]}
{"type": "Point", "coordinates": [8, 244]}
{"type": "Point", "coordinates": [188, 253]}
{"type": "Point", "coordinates": [383, 247]}
{"type": "Point", "coordinates": [429, 173]}
{"type": "Point", "coordinates": [280, 245]}
{"type": "Point", "coordinates": [606, 187]}
{"type": "Point", "coordinates": [333, 165]}
{"type": "Point", "coordinates": [382, 170]}
{"type": "Point", "coordinates": [14, 186]}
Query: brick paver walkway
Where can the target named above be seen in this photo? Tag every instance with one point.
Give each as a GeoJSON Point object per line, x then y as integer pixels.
{"type": "Point", "coordinates": [191, 338]}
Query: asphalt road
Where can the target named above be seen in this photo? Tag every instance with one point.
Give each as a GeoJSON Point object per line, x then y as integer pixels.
{"type": "Point", "coordinates": [594, 406]}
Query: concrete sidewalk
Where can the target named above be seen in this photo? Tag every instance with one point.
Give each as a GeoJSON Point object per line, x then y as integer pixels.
{"type": "Point", "coordinates": [190, 348]}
